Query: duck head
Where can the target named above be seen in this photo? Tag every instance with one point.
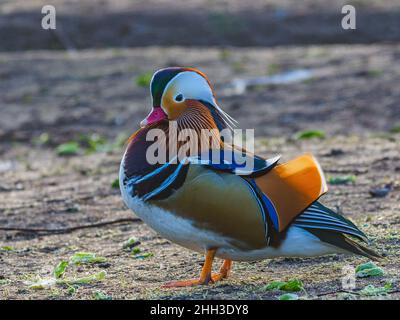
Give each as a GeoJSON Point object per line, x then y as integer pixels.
{"type": "Point", "coordinates": [185, 95]}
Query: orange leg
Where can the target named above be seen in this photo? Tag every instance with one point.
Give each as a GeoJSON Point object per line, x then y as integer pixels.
{"type": "Point", "coordinates": [205, 276]}
{"type": "Point", "coordinates": [223, 271]}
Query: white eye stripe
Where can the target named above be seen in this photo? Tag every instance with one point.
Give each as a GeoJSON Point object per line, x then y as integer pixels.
{"type": "Point", "coordinates": [191, 85]}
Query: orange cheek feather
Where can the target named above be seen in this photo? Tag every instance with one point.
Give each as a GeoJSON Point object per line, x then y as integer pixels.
{"type": "Point", "coordinates": [173, 109]}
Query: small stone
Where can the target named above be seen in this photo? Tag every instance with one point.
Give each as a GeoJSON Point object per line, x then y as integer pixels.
{"type": "Point", "coordinates": [380, 192]}
{"type": "Point", "coordinates": [104, 265]}
{"type": "Point", "coordinates": [335, 152]}
{"type": "Point", "coordinates": [73, 209]}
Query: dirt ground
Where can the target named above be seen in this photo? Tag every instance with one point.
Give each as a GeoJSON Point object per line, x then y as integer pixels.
{"type": "Point", "coordinates": [353, 97]}
{"type": "Point", "coordinates": [95, 93]}
{"type": "Point", "coordinates": [86, 24]}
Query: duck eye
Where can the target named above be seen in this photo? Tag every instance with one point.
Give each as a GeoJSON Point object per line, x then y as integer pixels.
{"type": "Point", "coordinates": [179, 97]}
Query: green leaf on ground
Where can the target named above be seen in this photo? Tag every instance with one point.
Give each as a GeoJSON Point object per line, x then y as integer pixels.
{"type": "Point", "coordinates": [68, 149]}
{"type": "Point", "coordinates": [365, 266]}
{"type": "Point", "coordinates": [84, 280]}
{"type": "Point", "coordinates": [340, 180]}
{"type": "Point", "coordinates": [60, 269]}
{"type": "Point", "coordinates": [144, 79]}
{"type": "Point", "coordinates": [371, 290]}
{"type": "Point", "coordinates": [95, 143]}
{"type": "Point", "coordinates": [89, 143]}
{"type": "Point", "coordinates": [6, 248]}
{"type": "Point", "coordinates": [86, 257]}
{"type": "Point", "coordinates": [290, 286]}
{"type": "Point", "coordinates": [143, 255]}
{"type": "Point", "coordinates": [274, 285]}
{"type": "Point", "coordinates": [99, 295]}
{"type": "Point", "coordinates": [71, 290]}
{"type": "Point", "coordinates": [308, 134]}
{"type": "Point", "coordinates": [4, 282]}
{"type": "Point", "coordinates": [136, 251]}
{"type": "Point", "coordinates": [130, 244]}
{"type": "Point", "coordinates": [41, 284]}
{"type": "Point", "coordinates": [115, 184]}
{"type": "Point", "coordinates": [288, 296]}
{"type": "Point", "coordinates": [369, 269]}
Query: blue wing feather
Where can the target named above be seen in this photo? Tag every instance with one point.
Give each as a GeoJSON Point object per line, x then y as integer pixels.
{"type": "Point", "coordinates": [236, 162]}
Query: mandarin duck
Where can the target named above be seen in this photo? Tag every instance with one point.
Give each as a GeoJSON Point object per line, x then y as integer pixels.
{"type": "Point", "coordinates": [221, 208]}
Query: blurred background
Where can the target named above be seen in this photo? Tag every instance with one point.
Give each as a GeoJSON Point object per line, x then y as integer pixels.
{"type": "Point", "coordinates": [70, 97]}
{"type": "Point", "coordinates": [92, 72]}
